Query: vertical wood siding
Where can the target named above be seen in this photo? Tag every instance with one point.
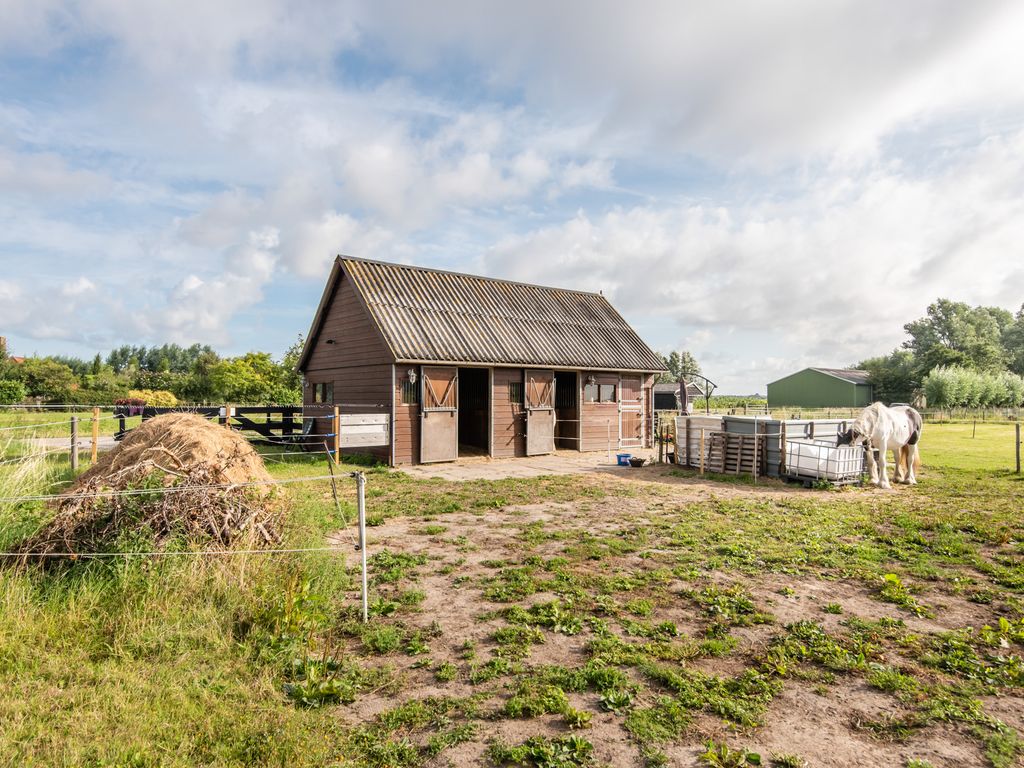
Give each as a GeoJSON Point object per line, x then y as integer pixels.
{"type": "Point", "coordinates": [358, 363]}
{"type": "Point", "coordinates": [509, 437]}
{"type": "Point", "coordinates": [599, 420]}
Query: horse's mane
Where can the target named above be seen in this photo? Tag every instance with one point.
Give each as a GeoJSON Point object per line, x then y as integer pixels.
{"type": "Point", "coordinates": [865, 423]}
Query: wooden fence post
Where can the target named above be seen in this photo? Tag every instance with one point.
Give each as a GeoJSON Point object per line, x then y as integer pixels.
{"type": "Point", "coordinates": [757, 439]}
{"type": "Point", "coordinates": [95, 433]}
{"type": "Point", "coordinates": [227, 415]}
{"type": "Point", "coordinates": [74, 443]}
{"type": "Point", "coordinates": [337, 435]}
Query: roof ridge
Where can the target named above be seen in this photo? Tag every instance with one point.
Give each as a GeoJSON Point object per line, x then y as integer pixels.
{"type": "Point", "coordinates": [426, 314]}
{"type": "Point", "coordinates": [417, 268]}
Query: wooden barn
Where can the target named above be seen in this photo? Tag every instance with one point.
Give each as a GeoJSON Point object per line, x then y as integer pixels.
{"type": "Point", "coordinates": [473, 366]}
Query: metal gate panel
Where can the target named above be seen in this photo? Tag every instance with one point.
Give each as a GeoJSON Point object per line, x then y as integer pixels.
{"type": "Point", "coordinates": [539, 399]}
{"type": "Point", "coordinates": [439, 414]}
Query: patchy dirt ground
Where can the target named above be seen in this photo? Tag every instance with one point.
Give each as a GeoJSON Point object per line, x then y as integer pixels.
{"type": "Point", "coordinates": [808, 626]}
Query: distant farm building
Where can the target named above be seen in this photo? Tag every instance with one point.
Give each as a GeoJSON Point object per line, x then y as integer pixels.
{"type": "Point", "coordinates": [473, 366]}
{"type": "Point", "coordinates": [822, 388]}
{"type": "Point", "coordinates": [666, 396]}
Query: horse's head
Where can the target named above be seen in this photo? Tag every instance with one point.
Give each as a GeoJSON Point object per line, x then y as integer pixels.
{"type": "Point", "coordinates": [850, 437]}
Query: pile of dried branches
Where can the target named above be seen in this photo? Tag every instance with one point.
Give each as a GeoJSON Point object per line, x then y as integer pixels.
{"type": "Point", "coordinates": [185, 480]}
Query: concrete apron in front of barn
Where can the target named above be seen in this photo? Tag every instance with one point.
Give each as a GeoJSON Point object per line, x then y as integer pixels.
{"type": "Point", "coordinates": [558, 463]}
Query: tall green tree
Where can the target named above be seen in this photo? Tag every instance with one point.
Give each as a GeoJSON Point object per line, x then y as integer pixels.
{"type": "Point", "coordinates": [6, 366]}
{"type": "Point", "coordinates": [1013, 342]}
{"type": "Point", "coordinates": [198, 386]}
{"type": "Point", "coordinates": [253, 378]}
{"type": "Point", "coordinates": [165, 358]}
{"type": "Point", "coordinates": [894, 376]}
{"type": "Point", "coordinates": [48, 378]}
{"type": "Point", "coordinates": [290, 364]}
{"type": "Point", "coordinates": [956, 334]}
{"type": "Point", "coordinates": [681, 365]}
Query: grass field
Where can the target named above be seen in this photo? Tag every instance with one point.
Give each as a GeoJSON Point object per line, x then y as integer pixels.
{"type": "Point", "coordinates": [655, 618]}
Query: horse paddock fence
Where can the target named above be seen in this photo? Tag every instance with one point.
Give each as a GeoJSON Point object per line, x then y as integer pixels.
{"type": "Point", "coordinates": [360, 544]}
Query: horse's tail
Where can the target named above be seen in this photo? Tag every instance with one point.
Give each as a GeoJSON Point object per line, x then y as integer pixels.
{"type": "Point", "coordinates": [916, 424]}
{"type": "Point", "coordinates": [905, 460]}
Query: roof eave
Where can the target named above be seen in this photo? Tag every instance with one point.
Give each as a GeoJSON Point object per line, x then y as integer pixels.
{"type": "Point", "coordinates": [544, 366]}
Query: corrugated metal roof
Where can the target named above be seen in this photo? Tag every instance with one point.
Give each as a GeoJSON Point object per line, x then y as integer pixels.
{"type": "Point", "coordinates": [851, 375]}
{"type": "Point", "coordinates": [431, 316]}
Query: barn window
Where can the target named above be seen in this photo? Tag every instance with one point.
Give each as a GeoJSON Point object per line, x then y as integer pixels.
{"type": "Point", "coordinates": [595, 392]}
{"type": "Point", "coordinates": [410, 393]}
{"type": "Point", "coordinates": [515, 392]}
{"type": "Point", "coordinates": [323, 392]}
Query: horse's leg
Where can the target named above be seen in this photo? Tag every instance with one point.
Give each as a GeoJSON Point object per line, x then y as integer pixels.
{"type": "Point", "coordinates": [899, 473]}
{"type": "Point", "coordinates": [911, 461]}
{"type": "Point", "coordinates": [872, 466]}
{"type": "Point", "coordinates": [883, 469]}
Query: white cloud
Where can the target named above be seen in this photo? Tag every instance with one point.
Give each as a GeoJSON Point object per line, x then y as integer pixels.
{"type": "Point", "coordinates": [592, 173]}
{"type": "Point", "coordinates": [767, 182]}
{"type": "Point", "coordinates": [741, 79]}
{"type": "Point", "coordinates": [198, 309]}
{"type": "Point", "coordinates": [830, 276]}
{"type": "Point", "coordinates": [47, 176]}
{"type": "Point", "coordinates": [78, 287]}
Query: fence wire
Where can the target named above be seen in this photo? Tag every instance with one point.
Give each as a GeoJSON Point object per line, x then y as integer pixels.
{"type": "Point", "coordinates": [168, 489]}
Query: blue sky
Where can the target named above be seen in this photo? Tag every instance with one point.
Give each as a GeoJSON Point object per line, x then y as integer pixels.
{"type": "Point", "coordinates": [770, 185]}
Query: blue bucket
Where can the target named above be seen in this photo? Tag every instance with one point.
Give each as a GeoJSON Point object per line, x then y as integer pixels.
{"type": "Point", "coordinates": [623, 459]}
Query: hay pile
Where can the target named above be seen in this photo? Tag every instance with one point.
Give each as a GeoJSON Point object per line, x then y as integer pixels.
{"type": "Point", "coordinates": [180, 450]}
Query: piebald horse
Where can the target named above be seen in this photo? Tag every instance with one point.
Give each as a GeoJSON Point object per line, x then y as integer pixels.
{"type": "Point", "coordinates": [884, 429]}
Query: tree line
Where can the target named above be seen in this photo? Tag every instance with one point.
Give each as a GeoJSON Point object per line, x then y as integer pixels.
{"type": "Point", "coordinates": [957, 355]}
{"type": "Point", "coordinates": [157, 374]}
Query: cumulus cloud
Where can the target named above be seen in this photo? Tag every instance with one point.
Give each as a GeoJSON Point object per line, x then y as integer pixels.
{"type": "Point", "coordinates": [747, 79]}
{"type": "Point", "coordinates": [200, 309]}
{"type": "Point", "coordinates": [768, 184]}
{"type": "Point", "coordinates": [78, 287]}
{"type": "Point", "coordinates": [830, 275]}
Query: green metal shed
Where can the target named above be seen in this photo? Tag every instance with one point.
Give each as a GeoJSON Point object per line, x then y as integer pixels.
{"type": "Point", "coordinates": [822, 388]}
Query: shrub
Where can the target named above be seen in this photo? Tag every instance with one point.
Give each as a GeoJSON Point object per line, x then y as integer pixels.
{"type": "Point", "coordinates": [11, 392]}
{"type": "Point", "coordinates": [158, 398]}
{"type": "Point", "coordinates": [93, 397]}
{"type": "Point", "coordinates": [48, 378]}
{"type": "Point", "coordinates": [952, 386]}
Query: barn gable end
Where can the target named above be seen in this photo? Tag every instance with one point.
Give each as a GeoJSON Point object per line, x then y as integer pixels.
{"type": "Point", "coordinates": [346, 352]}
